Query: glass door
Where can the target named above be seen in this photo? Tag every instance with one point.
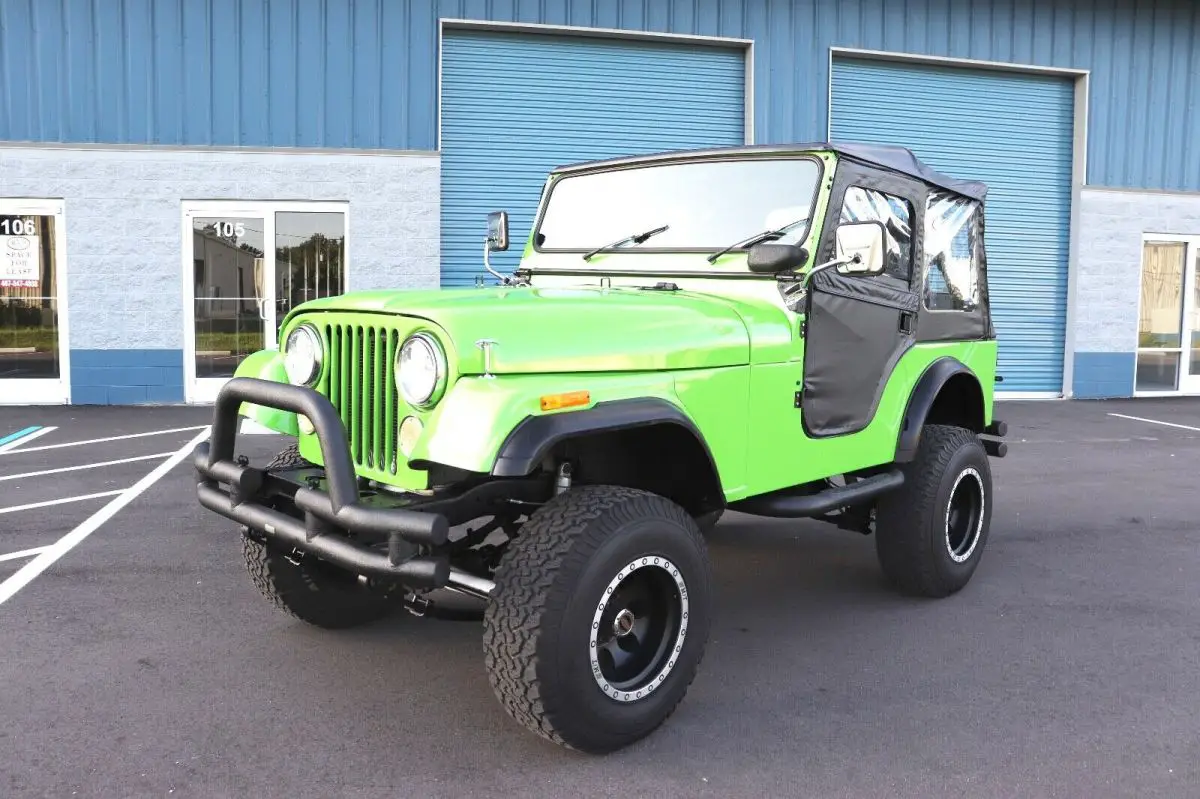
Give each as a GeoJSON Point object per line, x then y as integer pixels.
{"type": "Point", "coordinates": [1168, 355]}
{"type": "Point", "coordinates": [232, 306]}
{"type": "Point", "coordinates": [34, 366]}
{"type": "Point", "coordinates": [1190, 367]}
{"type": "Point", "coordinates": [245, 266]}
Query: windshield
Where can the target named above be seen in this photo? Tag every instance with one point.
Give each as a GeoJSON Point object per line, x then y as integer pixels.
{"type": "Point", "coordinates": [707, 205]}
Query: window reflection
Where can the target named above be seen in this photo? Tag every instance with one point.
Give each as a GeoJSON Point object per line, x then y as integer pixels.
{"type": "Point", "coordinates": [1160, 322]}
{"type": "Point", "coordinates": [310, 257]}
{"type": "Point", "coordinates": [1160, 318]}
{"type": "Point", "coordinates": [1194, 365]}
{"type": "Point", "coordinates": [228, 273]}
{"type": "Point", "coordinates": [28, 298]}
{"type": "Point", "coordinates": [706, 204]}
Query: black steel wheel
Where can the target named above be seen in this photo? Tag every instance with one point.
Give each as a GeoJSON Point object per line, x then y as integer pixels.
{"type": "Point", "coordinates": [930, 534]}
{"type": "Point", "coordinates": [600, 617]}
{"type": "Point", "coordinates": [305, 587]}
{"type": "Point", "coordinates": [639, 628]}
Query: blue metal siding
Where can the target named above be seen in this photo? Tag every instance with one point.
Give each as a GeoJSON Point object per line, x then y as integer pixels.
{"type": "Point", "coordinates": [517, 105]}
{"type": "Point", "coordinates": [1014, 132]}
{"type": "Point", "coordinates": [363, 73]}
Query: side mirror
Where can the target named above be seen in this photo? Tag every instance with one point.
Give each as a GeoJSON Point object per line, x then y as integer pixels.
{"type": "Point", "coordinates": [497, 233]}
{"type": "Point", "coordinates": [767, 258]}
{"type": "Point", "coordinates": [864, 240]}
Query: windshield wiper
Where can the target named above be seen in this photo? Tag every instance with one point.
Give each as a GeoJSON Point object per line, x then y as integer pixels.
{"type": "Point", "coordinates": [755, 239]}
{"type": "Point", "coordinates": [636, 238]}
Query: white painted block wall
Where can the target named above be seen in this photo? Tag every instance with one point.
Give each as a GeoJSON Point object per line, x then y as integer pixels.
{"type": "Point", "coordinates": [124, 232]}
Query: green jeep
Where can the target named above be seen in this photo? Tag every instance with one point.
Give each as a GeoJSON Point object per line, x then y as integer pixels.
{"type": "Point", "coordinates": [790, 331]}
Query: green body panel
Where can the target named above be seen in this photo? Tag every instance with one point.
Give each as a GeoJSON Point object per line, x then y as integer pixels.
{"type": "Point", "coordinates": [580, 329]}
{"type": "Point", "coordinates": [723, 349]}
{"type": "Point", "coordinates": [781, 454]}
{"type": "Point", "coordinates": [267, 365]}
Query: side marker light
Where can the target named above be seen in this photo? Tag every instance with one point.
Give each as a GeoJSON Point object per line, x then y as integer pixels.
{"type": "Point", "coordinates": [571, 399]}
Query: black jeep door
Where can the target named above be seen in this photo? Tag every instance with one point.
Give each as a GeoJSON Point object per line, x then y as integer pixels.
{"type": "Point", "coordinates": [857, 327]}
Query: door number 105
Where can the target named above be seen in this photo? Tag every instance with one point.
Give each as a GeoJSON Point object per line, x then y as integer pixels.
{"type": "Point", "coordinates": [231, 229]}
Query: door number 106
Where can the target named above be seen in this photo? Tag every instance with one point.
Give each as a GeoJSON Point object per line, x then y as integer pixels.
{"type": "Point", "coordinates": [18, 227]}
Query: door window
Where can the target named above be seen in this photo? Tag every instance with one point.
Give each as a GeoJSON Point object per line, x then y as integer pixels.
{"type": "Point", "coordinates": [1194, 324]}
{"type": "Point", "coordinates": [228, 261]}
{"type": "Point", "coordinates": [870, 205]}
{"type": "Point", "coordinates": [29, 306]}
{"type": "Point", "coordinates": [1161, 315]}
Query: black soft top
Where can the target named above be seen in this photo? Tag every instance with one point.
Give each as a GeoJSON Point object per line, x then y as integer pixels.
{"type": "Point", "coordinates": [896, 159]}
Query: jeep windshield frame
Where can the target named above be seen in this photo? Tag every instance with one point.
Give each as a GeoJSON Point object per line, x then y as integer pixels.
{"type": "Point", "coordinates": [724, 211]}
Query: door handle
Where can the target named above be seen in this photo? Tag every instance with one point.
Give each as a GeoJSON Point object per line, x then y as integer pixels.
{"type": "Point", "coordinates": [262, 308]}
{"type": "Point", "coordinates": [907, 318]}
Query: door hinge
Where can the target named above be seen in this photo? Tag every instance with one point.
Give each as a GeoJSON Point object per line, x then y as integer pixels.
{"type": "Point", "coordinates": [796, 401]}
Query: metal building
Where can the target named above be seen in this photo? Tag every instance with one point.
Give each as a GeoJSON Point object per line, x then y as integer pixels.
{"type": "Point", "coordinates": [176, 174]}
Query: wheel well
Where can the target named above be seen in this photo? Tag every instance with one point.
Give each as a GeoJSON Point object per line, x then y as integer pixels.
{"type": "Point", "coordinates": [665, 458]}
{"type": "Point", "coordinates": [959, 402]}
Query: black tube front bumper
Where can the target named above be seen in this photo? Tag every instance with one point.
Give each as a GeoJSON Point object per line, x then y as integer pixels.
{"type": "Point", "coordinates": [331, 519]}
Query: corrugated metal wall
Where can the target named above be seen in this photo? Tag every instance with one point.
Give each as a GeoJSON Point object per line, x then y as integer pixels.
{"type": "Point", "coordinates": [519, 105]}
{"type": "Point", "coordinates": [1013, 132]}
{"type": "Point", "coordinates": [363, 73]}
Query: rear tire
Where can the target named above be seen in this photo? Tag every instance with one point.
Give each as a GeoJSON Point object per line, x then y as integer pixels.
{"type": "Point", "coordinates": [599, 618]}
{"type": "Point", "coordinates": [931, 532]}
{"type": "Point", "coordinates": [304, 586]}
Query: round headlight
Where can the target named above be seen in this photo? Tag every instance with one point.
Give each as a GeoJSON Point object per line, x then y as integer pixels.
{"type": "Point", "coordinates": [420, 369]}
{"type": "Point", "coordinates": [302, 356]}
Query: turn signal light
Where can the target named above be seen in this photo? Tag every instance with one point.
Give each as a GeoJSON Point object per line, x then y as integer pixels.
{"type": "Point", "coordinates": [554, 402]}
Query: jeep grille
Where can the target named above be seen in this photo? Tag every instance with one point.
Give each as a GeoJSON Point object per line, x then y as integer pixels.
{"type": "Point", "coordinates": [362, 386]}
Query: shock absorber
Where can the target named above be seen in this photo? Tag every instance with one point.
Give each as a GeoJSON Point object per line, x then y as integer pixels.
{"type": "Point", "coordinates": [563, 481]}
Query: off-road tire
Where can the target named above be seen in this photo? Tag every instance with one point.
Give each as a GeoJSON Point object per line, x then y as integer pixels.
{"type": "Point", "coordinates": [305, 587]}
{"type": "Point", "coordinates": [549, 586]}
{"type": "Point", "coordinates": [913, 532]}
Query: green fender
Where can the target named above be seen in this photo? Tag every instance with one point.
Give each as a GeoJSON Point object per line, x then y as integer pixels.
{"type": "Point", "coordinates": [267, 365]}
{"type": "Point", "coordinates": [470, 425]}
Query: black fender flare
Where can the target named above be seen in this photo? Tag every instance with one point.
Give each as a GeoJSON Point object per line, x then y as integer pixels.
{"type": "Point", "coordinates": [534, 436]}
{"type": "Point", "coordinates": [920, 402]}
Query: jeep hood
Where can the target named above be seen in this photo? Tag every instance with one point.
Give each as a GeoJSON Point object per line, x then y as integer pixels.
{"type": "Point", "coordinates": [584, 329]}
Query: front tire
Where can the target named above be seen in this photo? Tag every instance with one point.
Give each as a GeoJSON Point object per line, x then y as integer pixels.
{"type": "Point", "coordinates": [304, 586]}
{"type": "Point", "coordinates": [930, 533]}
{"type": "Point", "coordinates": [599, 618]}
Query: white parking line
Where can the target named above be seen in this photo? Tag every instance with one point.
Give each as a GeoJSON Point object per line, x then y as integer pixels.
{"type": "Point", "coordinates": [61, 501]}
{"type": "Point", "coordinates": [102, 440]}
{"type": "Point", "coordinates": [24, 553]}
{"type": "Point", "coordinates": [86, 466]}
{"type": "Point", "coordinates": [45, 560]}
{"type": "Point", "coordinates": [13, 446]}
{"type": "Point", "coordinates": [1156, 421]}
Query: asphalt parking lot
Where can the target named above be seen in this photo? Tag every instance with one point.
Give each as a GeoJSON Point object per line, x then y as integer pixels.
{"type": "Point", "coordinates": [142, 662]}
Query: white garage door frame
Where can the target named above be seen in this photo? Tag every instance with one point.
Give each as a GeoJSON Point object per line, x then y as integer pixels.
{"type": "Point", "coordinates": [746, 45]}
{"type": "Point", "coordinates": [1082, 81]}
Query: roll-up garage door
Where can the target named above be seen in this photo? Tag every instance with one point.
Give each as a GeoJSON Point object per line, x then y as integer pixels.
{"type": "Point", "coordinates": [514, 106]}
{"type": "Point", "coordinates": [1014, 132]}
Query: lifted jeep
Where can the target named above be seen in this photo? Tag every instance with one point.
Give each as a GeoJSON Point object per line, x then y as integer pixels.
{"type": "Point", "coordinates": [799, 331]}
